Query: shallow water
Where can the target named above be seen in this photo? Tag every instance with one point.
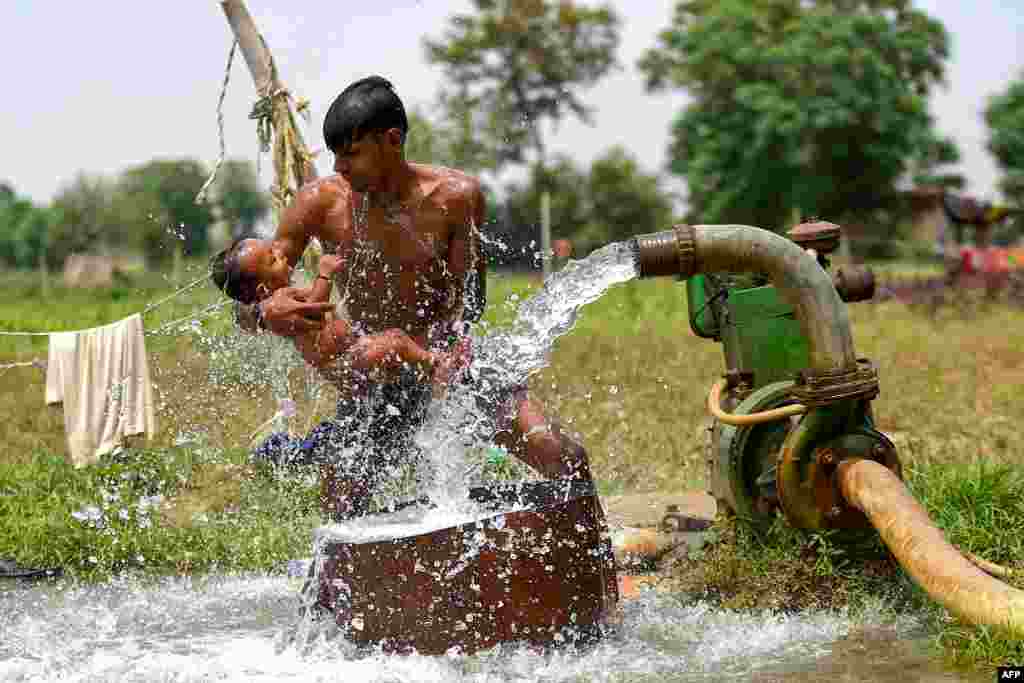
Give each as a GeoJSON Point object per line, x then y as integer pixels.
{"type": "Point", "coordinates": [233, 628]}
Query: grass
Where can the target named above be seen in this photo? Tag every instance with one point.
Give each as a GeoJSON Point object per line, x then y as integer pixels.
{"type": "Point", "coordinates": [630, 380]}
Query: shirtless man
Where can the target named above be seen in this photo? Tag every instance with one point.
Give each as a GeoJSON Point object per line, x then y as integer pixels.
{"type": "Point", "coordinates": [411, 260]}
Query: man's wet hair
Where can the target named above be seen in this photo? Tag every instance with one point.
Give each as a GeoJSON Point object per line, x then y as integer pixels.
{"type": "Point", "coordinates": [369, 105]}
{"type": "Point", "coordinates": [227, 274]}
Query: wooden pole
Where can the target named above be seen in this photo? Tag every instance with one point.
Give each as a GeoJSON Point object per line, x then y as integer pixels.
{"type": "Point", "coordinates": [254, 48]}
{"type": "Point", "coordinates": [292, 161]}
{"type": "Point", "coordinates": [545, 232]}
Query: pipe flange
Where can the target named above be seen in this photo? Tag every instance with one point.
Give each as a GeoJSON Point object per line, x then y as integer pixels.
{"type": "Point", "coordinates": [818, 388]}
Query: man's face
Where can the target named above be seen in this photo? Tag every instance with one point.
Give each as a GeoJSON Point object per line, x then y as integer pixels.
{"type": "Point", "coordinates": [361, 163]}
{"type": "Point", "coordinates": [368, 159]}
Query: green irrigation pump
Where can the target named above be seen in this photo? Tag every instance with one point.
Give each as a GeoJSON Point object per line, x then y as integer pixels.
{"type": "Point", "coordinates": [783, 420]}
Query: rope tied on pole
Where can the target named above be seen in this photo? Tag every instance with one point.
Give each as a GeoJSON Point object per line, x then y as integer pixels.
{"type": "Point", "coordinates": [201, 196]}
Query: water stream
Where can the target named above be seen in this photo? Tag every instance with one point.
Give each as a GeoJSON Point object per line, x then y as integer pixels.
{"type": "Point", "coordinates": [243, 628]}
{"type": "Point", "coordinates": [234, 628]}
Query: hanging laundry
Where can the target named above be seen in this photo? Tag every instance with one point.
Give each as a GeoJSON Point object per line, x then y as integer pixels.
{"type": "Point", "coordinates": [102, 378]}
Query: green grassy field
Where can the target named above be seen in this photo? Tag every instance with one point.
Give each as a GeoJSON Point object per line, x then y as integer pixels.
{"type": "Point", "coordinates": [630, 380]}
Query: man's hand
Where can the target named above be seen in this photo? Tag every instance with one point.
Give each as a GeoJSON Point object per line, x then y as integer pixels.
{"type": "Point", "coordinates": [287, 313]}
{"type": "Point", "coordinates": [448, 366]}
{"type": "Point", "coordinates": [381, 355]}
{"type": "Point", "coordinates": [329, 264]}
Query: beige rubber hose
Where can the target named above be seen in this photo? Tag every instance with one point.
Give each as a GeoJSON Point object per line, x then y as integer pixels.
{"type": "Point", "coordinates": [715, 408]}
{"type": "Point", "coordinates": [922, 550]}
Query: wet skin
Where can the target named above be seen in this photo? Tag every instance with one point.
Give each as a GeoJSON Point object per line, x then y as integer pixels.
{"type": "Point", "coordinates": [404, 268]}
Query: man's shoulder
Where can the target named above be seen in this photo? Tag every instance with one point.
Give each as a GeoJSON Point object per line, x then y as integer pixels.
{"type": "Point", "coordinates": [325, 192]}
{"type": "Point", "coordinates": [449, 186]}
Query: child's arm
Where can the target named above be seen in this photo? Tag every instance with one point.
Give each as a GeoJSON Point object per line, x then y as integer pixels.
{"type": "Point", "coordinates": [321, 289]}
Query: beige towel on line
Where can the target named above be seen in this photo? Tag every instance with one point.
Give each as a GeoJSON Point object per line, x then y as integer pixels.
{"type": "Point", "coordinates": [102, 377]}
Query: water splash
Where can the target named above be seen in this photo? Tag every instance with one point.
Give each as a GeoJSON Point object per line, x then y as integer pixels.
{"type": "Point", "coordinates": [225, 628]}
{"type": "Point", "coordinates": [461, 427]}
{"type": "Point", "coordinates": [509, 356]}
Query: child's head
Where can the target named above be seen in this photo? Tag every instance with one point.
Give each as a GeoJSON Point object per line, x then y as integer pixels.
{"type": "Point", "coordinates": [250, 270]}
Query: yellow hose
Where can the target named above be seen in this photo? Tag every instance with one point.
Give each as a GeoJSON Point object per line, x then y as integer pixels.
{"type": "Point", "coordinates": [715, 408]}
{"type": "Point", "coordinates": [920, 547]}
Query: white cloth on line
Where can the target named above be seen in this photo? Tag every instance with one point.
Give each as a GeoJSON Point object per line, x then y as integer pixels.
{"type": "Point", "coordinates": [102, 377]}
{"type": "Point", "coordinates": [59, 359]}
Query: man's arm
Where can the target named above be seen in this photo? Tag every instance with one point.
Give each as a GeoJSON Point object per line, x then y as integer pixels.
{"type": "Point", "coordinates": [479, 289]}
{"type": "Point", "coordinates": [466, 262]}
{"type": "Point", "coordinates": [289, 310]}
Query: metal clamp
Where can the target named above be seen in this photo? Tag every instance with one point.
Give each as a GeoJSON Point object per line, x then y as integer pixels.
{"type": "Point", "coordinates": [816, 388]}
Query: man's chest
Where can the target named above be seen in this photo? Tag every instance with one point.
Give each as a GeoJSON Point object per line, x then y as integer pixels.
{"type": "Point", "coordinates": [382, 239]}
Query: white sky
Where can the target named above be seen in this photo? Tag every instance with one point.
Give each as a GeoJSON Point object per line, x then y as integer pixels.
{"type": "Point", "coordinates": [99, 86]}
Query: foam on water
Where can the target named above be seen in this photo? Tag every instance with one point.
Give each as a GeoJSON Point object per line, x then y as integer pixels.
{"type": "Point", "coordinates": [413, 521]}
{"type": "Point", "coordinates": [232, 628]}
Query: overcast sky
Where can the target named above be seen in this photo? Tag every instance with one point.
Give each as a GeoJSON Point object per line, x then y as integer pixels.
{"type": "Point", "coordinates": [99, 86]}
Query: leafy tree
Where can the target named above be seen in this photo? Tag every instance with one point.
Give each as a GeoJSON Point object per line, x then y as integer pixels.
{"type": "Point", "coordinates": [624, 201]}
{"type": "Point", "coordinates": [1004, 116]}
{"type": "Point", "coordinates": [569, 199]}
{"type": "Point", "coordinates": [514, 63]}
{"type": "Point", "coordinates": [611, 202]}
{"type": "Point", "coordinates": [24, 228]}
{"type": "Point", "coordinates": [423, 142]}
{"type": "Point", "coordinates": [158, 201]}
{"type": "Point", "coordinates": [88, 221]}
{"type": "Point", "coordinates": [239, 198]}
{"type": "Point", "coordinates": [818, 105]}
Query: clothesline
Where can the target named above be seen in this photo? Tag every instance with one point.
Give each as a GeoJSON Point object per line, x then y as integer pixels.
{"type": "Point", "coordinates": [41, 364]}
{"type": "Point", "coordinates": [143, 312]}
{"type": "Point", "coordinates": [34, 363]}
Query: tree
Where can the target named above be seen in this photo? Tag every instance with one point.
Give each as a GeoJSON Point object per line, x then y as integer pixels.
{"type": "Point", "coordinates": [158, 201]}
{"type": "Point", "coordinates": [239, 198]}
{"type": "Point", "coordinates": [423, 142]}
{"type": "Point", "coordinates": [87, 219]}
{"type": "Point", "coordinates": [1004, 116]}
{"type": "Point", "coordinates": [613, 201]}
{"type": "Point", "coordinates": [567, 186]}
{"type": "Point", "coordinates": [624, 201]}
{"type": "Point", "coordinates": [512, 66]}
{"type": "Point", "coordinates": [24, 228]}
{"type": "Point", "coordinates": [815, 105]}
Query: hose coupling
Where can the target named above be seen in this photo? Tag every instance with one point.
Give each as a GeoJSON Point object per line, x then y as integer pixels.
{"type": "Point", "coordinates": [670, 252]}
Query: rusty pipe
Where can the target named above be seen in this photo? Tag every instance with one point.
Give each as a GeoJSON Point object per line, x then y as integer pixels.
{"type": "Point", "coordinates": [922, 550]}
{"type": "Point", "coordinates": [689, 250]}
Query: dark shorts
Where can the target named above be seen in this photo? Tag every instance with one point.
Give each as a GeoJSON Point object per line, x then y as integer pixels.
{"type": "Point", "coordinates": [372, 436]}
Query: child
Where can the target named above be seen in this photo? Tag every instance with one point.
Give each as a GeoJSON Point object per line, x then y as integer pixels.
{"type": "Point", "coordinates": [250, 270]}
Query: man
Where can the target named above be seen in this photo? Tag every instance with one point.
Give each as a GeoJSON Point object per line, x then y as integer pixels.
{"type": "Point", "coordinates": [407, 235]}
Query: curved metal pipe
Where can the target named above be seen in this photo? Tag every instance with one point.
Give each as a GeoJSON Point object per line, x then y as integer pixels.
{"type": "Point", "coordinates": [939, 568]}
{"type": "Point", "coordinates": [801, 281]}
